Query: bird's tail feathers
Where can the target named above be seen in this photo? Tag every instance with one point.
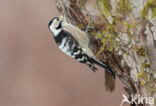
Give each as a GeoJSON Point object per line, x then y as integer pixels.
{"type": "Point", "coordinates": [107, 68]}
{"type": "Point", "coordinates": [94, 69]}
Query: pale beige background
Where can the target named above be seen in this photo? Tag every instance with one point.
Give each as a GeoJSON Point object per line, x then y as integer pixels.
{"type": "Point", "coordinates": [33, 72]}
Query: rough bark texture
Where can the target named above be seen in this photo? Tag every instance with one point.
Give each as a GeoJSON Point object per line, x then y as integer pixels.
{"type": "Point", "coordinates": [123, 35]}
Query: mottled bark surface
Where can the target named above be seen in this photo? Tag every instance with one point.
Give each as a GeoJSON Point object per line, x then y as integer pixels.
{"type": "Point", "coordinates": [123, 35]}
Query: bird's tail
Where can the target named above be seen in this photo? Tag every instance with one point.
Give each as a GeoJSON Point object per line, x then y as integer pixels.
{"type": "Point", "coordinates": [107, 68]}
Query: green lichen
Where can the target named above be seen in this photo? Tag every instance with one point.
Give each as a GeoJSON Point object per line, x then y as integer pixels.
{"type": "Point", "coordinates": [129, 27]}
{"type": "Point", "coordinates": [80, 26]}
{"type": "Point", "coordinates": [124, 6]}
{"type": "Point", "coordinates": [150, 5]}
{"type": "Point", "coordinates": [105, 7]}
{"type": "Point", "coordinates": [142, 75]}
{"type": "Point", "coordinates": [154, 12]}
{"type": "Point", "coordinates": [108, 37]}
{"type": "Point", "coordinates": [140, 51]}
{"type": "Point", "coordinates": [82, 3]}
{"type": "Point", "coordinates": [110, 33]}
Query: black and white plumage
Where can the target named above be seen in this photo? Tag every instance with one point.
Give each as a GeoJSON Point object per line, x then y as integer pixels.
{"type": "Point", "coordinates": [74, 42]}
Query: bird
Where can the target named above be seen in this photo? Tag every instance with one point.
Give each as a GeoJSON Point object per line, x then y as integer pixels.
{"type": "Point", "coordinates": [75, 43]}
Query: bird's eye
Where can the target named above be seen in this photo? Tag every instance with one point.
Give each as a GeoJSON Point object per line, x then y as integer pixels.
{"type": "Point", "coordinates": [57, 19]}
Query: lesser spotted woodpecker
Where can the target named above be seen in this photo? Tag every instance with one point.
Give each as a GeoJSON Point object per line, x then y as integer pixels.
{"type": "Point", "coordinates": [74, 42]}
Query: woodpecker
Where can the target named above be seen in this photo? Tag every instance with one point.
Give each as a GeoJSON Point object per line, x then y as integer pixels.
{"type": "Point", "coordinates": [74, 42]}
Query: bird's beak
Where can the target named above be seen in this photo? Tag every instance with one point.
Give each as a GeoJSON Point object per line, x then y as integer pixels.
{"type": "Point", "coordinates": [60, 17]}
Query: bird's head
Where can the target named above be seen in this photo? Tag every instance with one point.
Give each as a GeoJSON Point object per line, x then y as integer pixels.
{"type": "Point", "coordinates": [55, 25]}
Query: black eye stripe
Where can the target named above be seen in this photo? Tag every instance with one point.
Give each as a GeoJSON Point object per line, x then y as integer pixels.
{"type": "Point", "coordinates": [59, 26]}
{"type": "Point", "coordinates": [53, 20]}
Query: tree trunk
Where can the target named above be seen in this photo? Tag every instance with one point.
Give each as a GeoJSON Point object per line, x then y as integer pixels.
{"type": "Point", "coordinates": [123, 35]}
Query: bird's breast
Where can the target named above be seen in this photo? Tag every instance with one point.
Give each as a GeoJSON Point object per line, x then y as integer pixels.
{"type": "Point", "coordinates": [65, 47]}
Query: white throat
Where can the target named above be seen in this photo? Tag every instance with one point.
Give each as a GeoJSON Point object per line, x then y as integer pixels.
{"type": "Point", "coordinates": [55, 31]}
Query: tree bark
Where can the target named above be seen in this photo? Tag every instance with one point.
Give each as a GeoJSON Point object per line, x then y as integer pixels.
{"type": "Point", "coordinates": [123, 35]}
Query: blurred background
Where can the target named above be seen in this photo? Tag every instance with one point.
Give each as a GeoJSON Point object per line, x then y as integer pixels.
{"type": "Point", "coordinates": [34, 72]}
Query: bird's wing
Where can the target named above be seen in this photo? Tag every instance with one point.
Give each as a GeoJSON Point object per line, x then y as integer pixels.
{"type": "Point", "coordinates": [81, 37]}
